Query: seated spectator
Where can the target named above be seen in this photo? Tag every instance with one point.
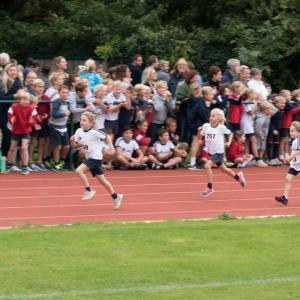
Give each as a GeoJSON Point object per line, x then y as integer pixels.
{"type": "Point", "coordinates": [140, 135]}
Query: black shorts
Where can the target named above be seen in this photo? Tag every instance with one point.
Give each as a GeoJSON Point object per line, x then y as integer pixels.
{"type": "Point", "coordinates": [248, 135]}
{"type": "Point", "coordinates": [19, 137]}
{"type": "Point", "coordinates": [95, 166]}
{"type": "Point", "coordinates": [45, 131]}
{"type": "Point", "coordinates": [58, 138]}
{"type": "Point", "coordinates": [284, 132]}
{"type": "Point", "coordinates": [234, 126]}
{"type": "Point", "coordinates": [217, 158]}
{"type": "Point", "coordinates": [293, 172]}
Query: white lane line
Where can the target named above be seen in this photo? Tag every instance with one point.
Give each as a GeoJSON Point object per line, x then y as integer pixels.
{"type": "Point", "coordinates": [150, 213]}
{"type": "Point", "coordinates": [151, 288]}
{"type": "Point", "coordinates": [91, 204]}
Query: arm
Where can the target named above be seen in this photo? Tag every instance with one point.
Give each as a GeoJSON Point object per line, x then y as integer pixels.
{"type": "Point", "coordinates": [229, 140]}
{"type": "Point", "coordinates": [55, 110]}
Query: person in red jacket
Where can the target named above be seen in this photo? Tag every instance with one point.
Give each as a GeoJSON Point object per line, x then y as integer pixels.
{"type": "Point", "coordinates": [21, 118]}
{"type": "Point", "coordinates": [236, 151]}
{"type": "Point", "coordinates": [140, 135]}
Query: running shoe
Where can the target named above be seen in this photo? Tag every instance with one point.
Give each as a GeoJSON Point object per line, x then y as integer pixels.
{"type": "Point", "coordinates": [25, 171]}
{"type": "Point", "coordinates": [282, 200]}
{"type": "Point", "coordinates": [88, 195]}
{"type": "Point", "coordinates": [118, 201]}
{"type": "Point", "coordinates": [207, 191]}
{"type": "Point", "coordinates": [242, 180]}
{"type": "Point", "coordinates": [14, 168]}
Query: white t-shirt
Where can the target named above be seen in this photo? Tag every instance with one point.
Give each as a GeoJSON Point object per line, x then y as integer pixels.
{"type": "Point", "coordinates": [295, 162]}
{"type": "Point", "coordinates": [111, 99]}
{"type": "Point", "coordinates": [214, 137]}
{"type": "Point", "coordinates": [163, 149]}
{"type": "Point", "coordinates": [129, 147]}
{"type": "Point", "coordinates": [92, 142]}
{"type": "Point", "coordinates": [247, 121]}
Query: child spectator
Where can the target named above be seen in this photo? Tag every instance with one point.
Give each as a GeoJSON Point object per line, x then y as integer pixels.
{"type": "Point", "coordinates": [236, 151]}
{"type": "Point", "coordinates": [59, 138]}
{"type": "Point", "coordinates": [22, 116]}
{"type": "Point", "coordinates": [99, 108]}
{"type": "Point", "coordinates": [274, 130]}
{"type": "Point", "coordinates": [43, 135]}
{"type": "Point", "coordinates": [140, 135]}
{"type": "Point", "coordinates": [247, 125]}
{"type": "Point", "coordinates": [164, 155]}
{"type": "Point", "coordinates": [296, 102]}
{"type": "Point", "coordinates": [235, 105]}
{"type": "Point", "coordinates": [139, 103]}
{"type": "Point", "coordinates": [128, 152]}
{"type": "Point", "coordinates": [213, 135]}
{"type": "Point", "coordinates": [56, 80]}
{"type": "Point", "coordinates": [261, 125]}
{"type": "Point", "coordinates": [126, 112]}
{"type": "Point", "coordinates": [161, 105]}
{"type": "Point", "coordinates": [115, 101]}
{"type": "Point", "coordinates": [89, 72]}
{"type": "Point", "coordinates": [221, 99]}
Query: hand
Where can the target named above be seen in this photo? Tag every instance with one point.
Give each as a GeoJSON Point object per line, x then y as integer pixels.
{"type": "Point", "coordinates": [37, 127]}
{"type": "Point", "coordinates": [67, 113]}
{"type": "Point", "coordinates": [227, 144]}
{"type": "Point", "coordinates": [88, 108]}
{"type": "Point", "coordinates": [13, 120]}
{"type": "Point", "coordinates": [44, 116]}
{"type": "Point", "coordinates": [275, 132]}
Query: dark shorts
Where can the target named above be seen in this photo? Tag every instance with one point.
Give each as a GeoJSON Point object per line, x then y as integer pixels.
{"type": "Point", "coordinates": [217, 158]}
{"type": "Point", "coordinates": [95, 166]}
{"type": "Point", "coordinates": [19, 137]}
{"type": "Point", "coordinates": [293, 172]}
{"type": "Point", "coordinates": [248, 135]}
{"type": "Point", "coordinates": [112, 125]}
{"type": "Point", "coordinates": [284, 132]}
{"type": "Point", "coordinates": [234, 126]}
{"type": "Point", "coordinates": [58, 138]}
{"type": "Point", "coordinates": [45, 131]}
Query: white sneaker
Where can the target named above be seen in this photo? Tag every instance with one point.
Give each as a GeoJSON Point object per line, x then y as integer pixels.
{"type": "Point", "coordinates": [261, 164]}
{"type": "Point", "coordinates": [14, 169]}
{"type": "Point", "coordinates": [25, 171]}
{"type": "Point", "coordinates": [88, 195]}
{"type": "Point", "coordinates": [242, 180]}
{"type": "Point", "coordinates": [117, 202]}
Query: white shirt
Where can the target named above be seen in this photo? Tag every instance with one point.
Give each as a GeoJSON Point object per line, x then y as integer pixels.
{"type": "Point", "coordinates": [163, 149]}
{"type": "Point", "coordinates": [111, 99]}
{"type": "Point", "coordinates": [129, 147]}
{"type": "Point", "coordinates": [259, 87]}
{"type": "Point", "coordinates": [92, 142]}
{"type": "Point", "coordinates": [247, 121]}
{"type": "Point", "coordinates": [214, 137]}
{"type": "Point", "coordinates": [295, 162]}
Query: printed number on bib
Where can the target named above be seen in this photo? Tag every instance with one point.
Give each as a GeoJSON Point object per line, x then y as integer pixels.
{"type": "Point", "coordinates": [210, 136]}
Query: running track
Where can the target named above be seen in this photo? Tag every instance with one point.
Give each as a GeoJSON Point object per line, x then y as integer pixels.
{"type": "Point", "coordinates": [54, 198]}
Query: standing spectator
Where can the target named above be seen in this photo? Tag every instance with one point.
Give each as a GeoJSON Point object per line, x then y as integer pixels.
{"type": "Point", "coordinates": [136, 69]}
{"type": "Point", "coordinates": [153, 62]}
{"type": "Point", "coordinates": [44, 75]}
{"type": "Point", "coordinates": [60, 65]}
{"type": "Point", "coordinates": [90, 73]}
{"type": "Point", "coordinates": [176, 75]}
{"type": "Point", "coordinates": [4, 60]}
{"type": "Point", "coordinates": [244, 75]}
{"type": "Point", "coordinates": [257, 84]}
{"type": "Point", "coordinates": [99, 108]}
{"type": "Point", "coordinates": [163, 72]}
{"type": "Point", "coordinates": [123, 74]}
{"type": "Point", "coordinates": [9, 86]}
{"type": "Point", "coordinates": [30, 77]}
{"type": "Point", "coordinates": [214, 78]}
{"type": "Point", "coordinates": [149, 78]}
{"type": "Point", "coordinates": [230, 74]}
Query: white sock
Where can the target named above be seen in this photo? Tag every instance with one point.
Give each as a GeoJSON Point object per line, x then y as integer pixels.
{"type": "Point", "coordinates": [193, 160]}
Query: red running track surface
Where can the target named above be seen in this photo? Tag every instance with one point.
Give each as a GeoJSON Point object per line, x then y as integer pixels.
{"type": "Point", "coordinates": [54, 198]}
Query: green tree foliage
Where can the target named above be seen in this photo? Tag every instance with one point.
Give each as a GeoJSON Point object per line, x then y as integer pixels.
{"type": "Point", "coordinates": [260, 33]}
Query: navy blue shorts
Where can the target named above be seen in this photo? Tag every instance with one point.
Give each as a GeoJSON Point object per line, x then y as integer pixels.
{"type": "Point", "coordinates": [95, 166]}
{"type": "Point", "coordinates": [284, 132]}
{"type": "Point", "coordinates": [112, 125]}
{"type": "Point", "coordinates": [58, 138]}
{"type": "Point", "coordinates": [19, 137]}
{"type": "Point", "coordinates": [217, 158]}
{"type": "Point", "coordinates": [234, 126]}
{"type": "Point", "coordinates": [293, 172]}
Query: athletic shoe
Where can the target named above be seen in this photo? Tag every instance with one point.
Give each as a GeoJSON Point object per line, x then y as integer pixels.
{"type": "Point", "coordinates": [41, 166]}
{"type": "Point", "coordinates": [260, 163]}
{"type": "Point", "coordinates": [242, 180]}
{"type": "Point", "coordinates": [207, 191]}
{"type": "Point", "coordinates": [282, 200]}
{"type": "Point", "coordinates": [14, 168]}
{"type": "Point", "coordinates": [88, 195]}
{"type": "Point", "coordinates": [48, 164]}
{"type": "Point", "coordinates": [34, 167]}
{"type": "Point", "coordinates": [117, 202]}
{"type": "Point", "coordinates": [192, 167]}
{"type": "Point", "coordinates": [56, 167]}
{"type": "Point", "coordinates": [25, 171]}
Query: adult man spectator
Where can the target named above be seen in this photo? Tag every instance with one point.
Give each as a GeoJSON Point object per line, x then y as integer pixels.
{"type": "Point", "coordinates": [136, 69]}
{"type": "Point", "coordinates": [163, 72]}
{"type": "Point", "coordinates": [230, 74]}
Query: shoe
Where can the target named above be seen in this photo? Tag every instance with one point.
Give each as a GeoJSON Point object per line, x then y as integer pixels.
{"type": "Point", "coordinates": [25, 171]}
{"type": "Point", "coordinates": [56, 167]}
{"type": "Point", "coordinates": [242, 180]}
{"type": "Point", "coordinates": [34, 167]}
{"type": "Point", "coordinates": [41, 166]}
{"type": "Point", "coordinates": [88, 195]}
{"type": "Point", "coordinates": [229, 164]}
{"type": "Point", "coordinates": [14, 168]}
{"type": "Point", "coordinates": [278, 162]}
{"type": "Point", "coordinates": [207, 191]}
{"type": "Point", "coordinates": [48, 164]}
{"type": "Point", "coordinates": [117, 202]}
{"type": "Point", "coordinates": [282, 200]}
{"type": "Point", "coordinates": [260, 164]}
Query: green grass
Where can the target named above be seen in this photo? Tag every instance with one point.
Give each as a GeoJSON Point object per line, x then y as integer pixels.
{"type": "Point", "coordinates": [170, 260]}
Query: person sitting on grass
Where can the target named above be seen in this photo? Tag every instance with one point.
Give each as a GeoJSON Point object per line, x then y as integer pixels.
{"type": "Point", "coordinates": [128, 152]}
{"type": "Point", "coordinates": [164, 154]}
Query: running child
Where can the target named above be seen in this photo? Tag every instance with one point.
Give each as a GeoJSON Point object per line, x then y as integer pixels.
{"type": "Point", "coordinates": [92, 141]}
{"type": "Point", "coordinates": [294, 160]}
{"type": "Point", "coordinates": [213, 135]}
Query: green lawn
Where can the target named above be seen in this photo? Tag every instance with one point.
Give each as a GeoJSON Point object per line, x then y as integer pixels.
{"type": "Point", "coordinates": [232, 259]}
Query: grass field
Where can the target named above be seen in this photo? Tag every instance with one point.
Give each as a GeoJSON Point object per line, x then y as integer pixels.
{"type": "Point", "coordinates": [232, 259]}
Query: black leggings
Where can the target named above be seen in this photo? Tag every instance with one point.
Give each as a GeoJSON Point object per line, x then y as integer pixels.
{"type": "Point", "coordinates": [5, 132]}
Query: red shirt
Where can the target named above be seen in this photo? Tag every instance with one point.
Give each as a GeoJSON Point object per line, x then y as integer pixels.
{"type": "Point", "coordinates": [287, 117]}
{"type": "Point", "coordinates": [43, 109]}
{"type": "Point", "coordinates": [24, 118]}
{"type": "Point", "coordinates": [235, 108]}
{"type": "Point", "coordinates": [235, 150]}
{"type": "Point", "coordinates": [141, 138]}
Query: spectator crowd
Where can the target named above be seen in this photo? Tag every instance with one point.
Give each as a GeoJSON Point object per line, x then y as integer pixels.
{"type": "Point", "coordinates": [153, 113]}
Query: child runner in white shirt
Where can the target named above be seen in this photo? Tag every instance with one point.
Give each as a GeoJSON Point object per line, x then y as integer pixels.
{"type": "Point", "coordinates": [213, 135]}
{"type": "Point", "coordinates": [92, 142]}
{"type": "Point", "coordinates": [294, 160]}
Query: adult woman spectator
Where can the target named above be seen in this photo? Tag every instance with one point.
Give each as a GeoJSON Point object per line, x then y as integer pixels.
{"type": "Point", "coordinates": [60, 65]}
{"type": "Point", "coordinates": [123, 74]}
{"type": "Point", "coordinates": [149, 78]}
{"type": "Point", "coordinates": [214, 78]}
{"type": "Point", "coordinates": [244, 75]}
{"type": "Point", "coordinates": [257, 84]}
{"type": "Point", "coordinates": [177, 75]}
{"type": "Point", "coordinates": [10, 84]}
